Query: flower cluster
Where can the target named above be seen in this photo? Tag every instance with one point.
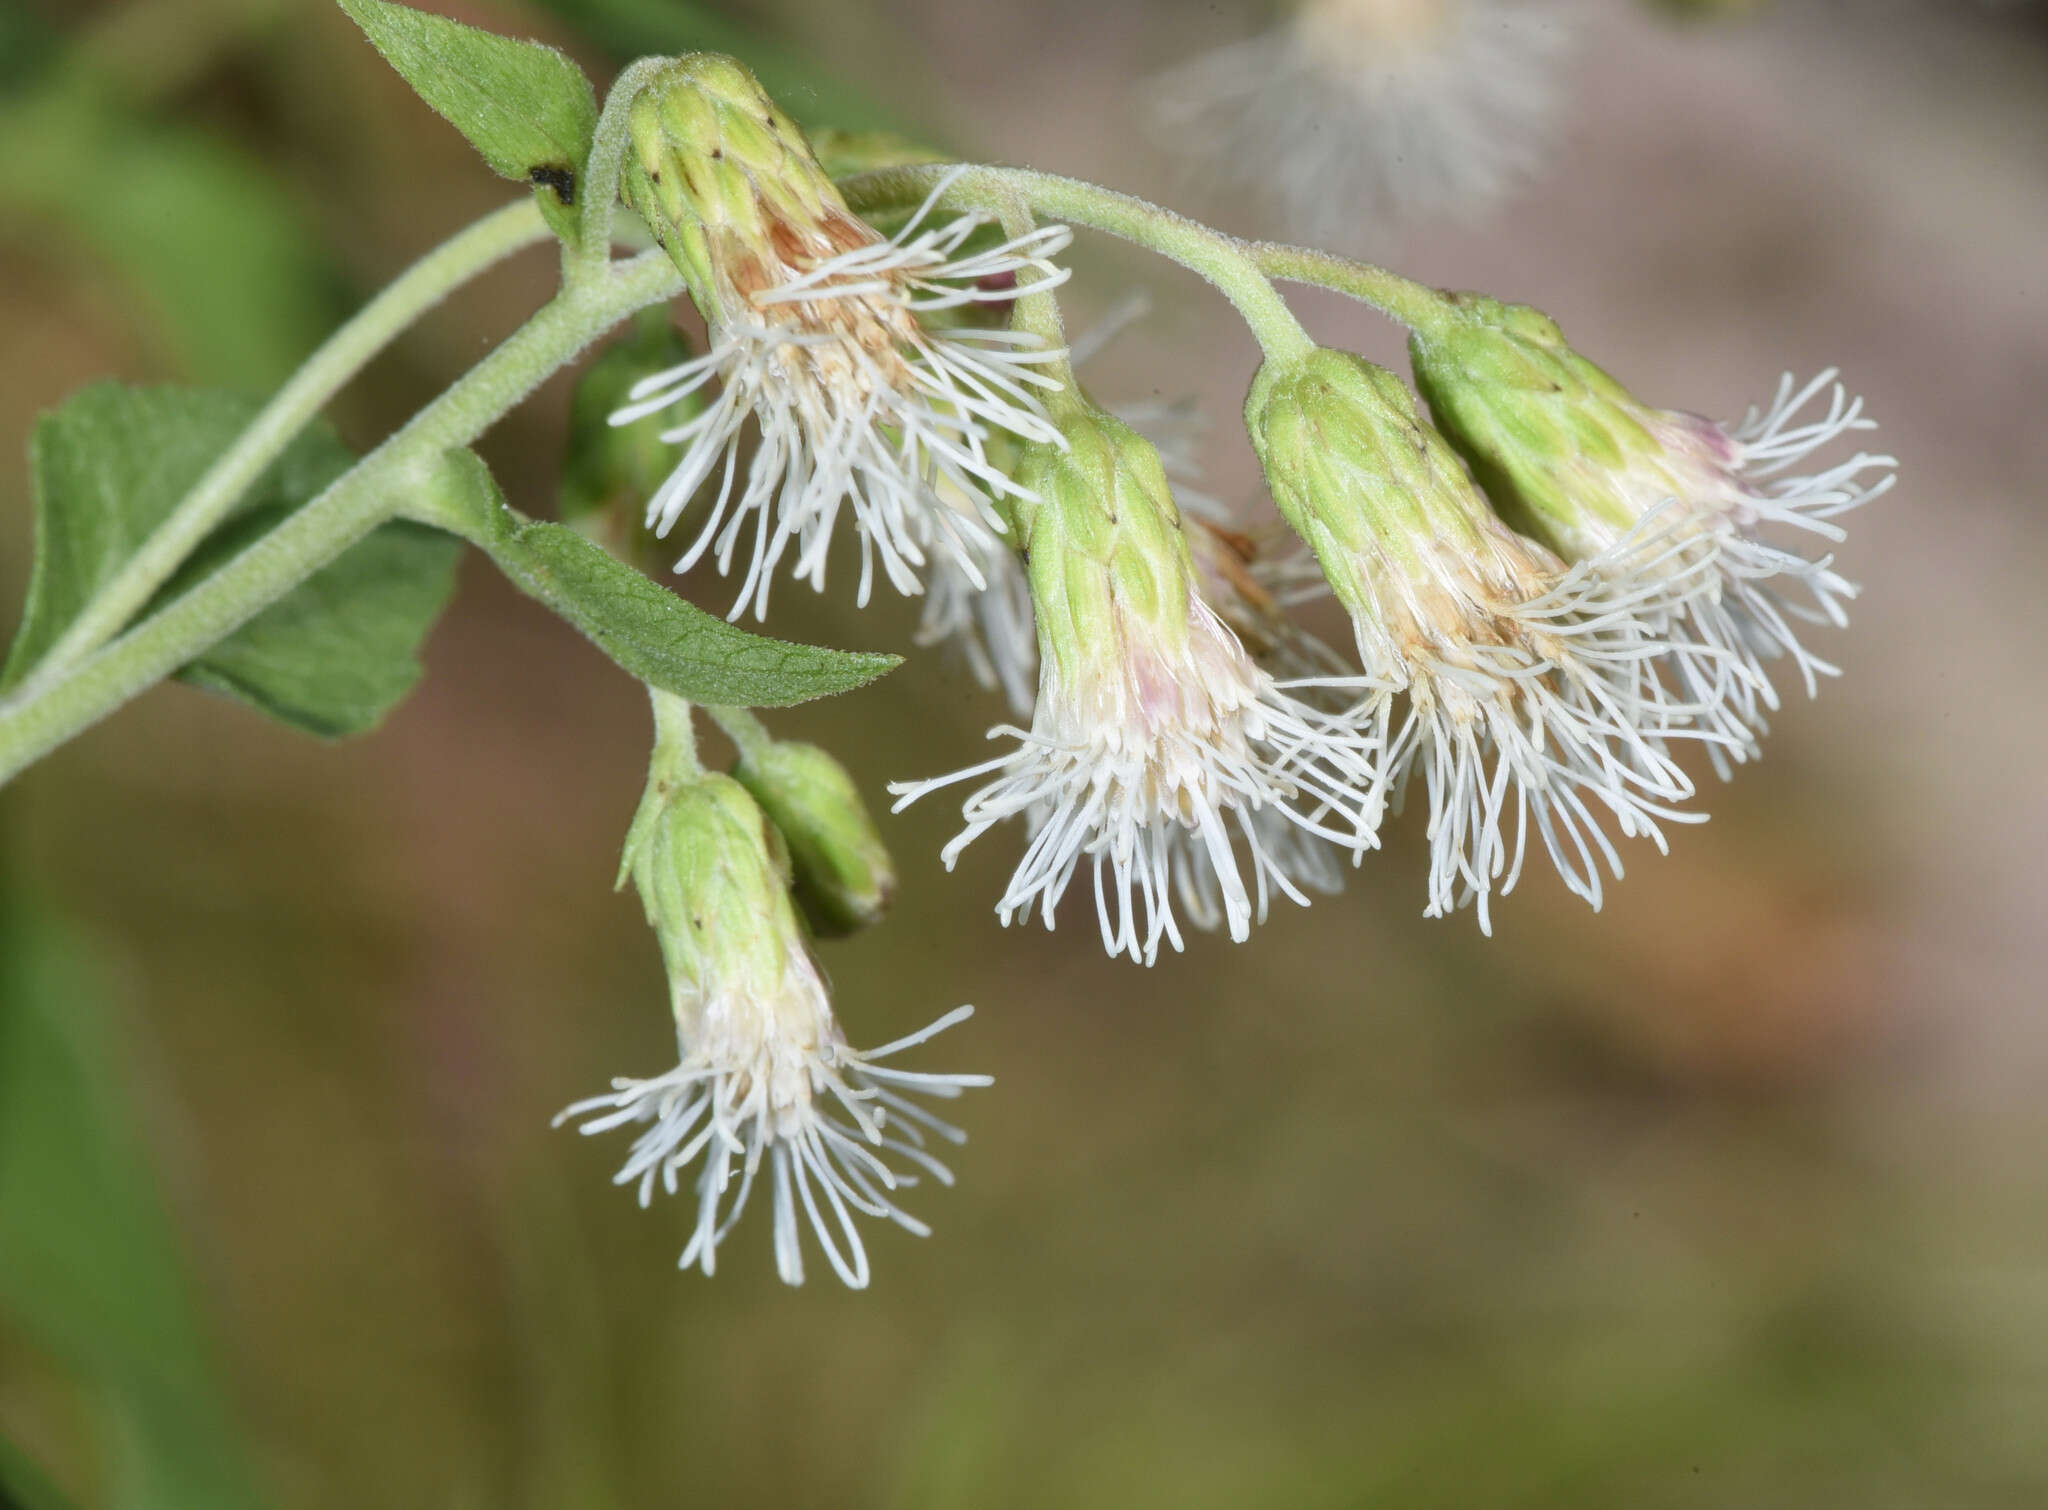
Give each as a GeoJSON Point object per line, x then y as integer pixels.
{"type": "Point", "coordinates": [1554, 593]}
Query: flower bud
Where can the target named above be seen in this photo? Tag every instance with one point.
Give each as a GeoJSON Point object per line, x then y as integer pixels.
{"type": "Point", "coordinates": [1566, 453]}
{"type": "Point", "coordinates": [1359, 475]}
{"type": "Point", "coordinates": [844, 878]}
{"type": "Point", "coordinates": [610, 471]}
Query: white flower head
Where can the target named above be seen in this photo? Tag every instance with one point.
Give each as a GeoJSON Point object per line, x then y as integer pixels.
{"type": "Point", "coordinates": [1355, 119]}
{"type": "Point", "coordinates": [832, 347]}
{"type": "Point", "coordinates": [1158, 752]}
{"type": "Point", "coordinates": [1520, 688]}
{"type": "Point", "coordinates": [765, 1078]}
{"type": "Point", "coordinates": [1589, 468]}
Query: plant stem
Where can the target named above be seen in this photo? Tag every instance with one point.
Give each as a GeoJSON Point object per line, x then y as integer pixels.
{"type": "Point", "coordinates": [35, 721]}
{"type": "Point", "coordinates": [748, 734]}
{"type": "Point", "coordinates": [1223, 260]}
{"type": "Point", "coordinates": [600, 186]}
{"type": "Point", "coordinates": [675, 737]}
{"type": "Point", "coordinates": [1415, 305]}
{"type": "Point", "coordinates": [1037, 313]}
{"type": "Point", "coordinates": [345, 353]}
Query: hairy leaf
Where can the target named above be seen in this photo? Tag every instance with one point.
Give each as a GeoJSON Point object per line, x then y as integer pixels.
{"type": "Point", "coordinates": [333, 657]}
{"type": "Point", "coordinates": [528, 109]}
{"type": "Point", "coordinates": [645, 628]}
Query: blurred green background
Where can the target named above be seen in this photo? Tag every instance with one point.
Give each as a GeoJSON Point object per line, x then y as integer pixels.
{"type": "Point", "coordinates": [1731, 1196]}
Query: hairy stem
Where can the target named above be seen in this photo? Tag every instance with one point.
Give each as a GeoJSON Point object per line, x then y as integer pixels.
{"type": "Point", "coordinates": [1415, 305]}
{"type": "Point", "coordinates": [35, 721]}
{"type": "Point", "coordinates": [1223, 260]}
{"type": "Point", "coordinates": [675, 736]}
{"type": "Point", "coordinates": [748, 734]}
{"type": "Point", "coordinates": [418, 289]}
{"type": "Point", "coordinates": [600, 186]}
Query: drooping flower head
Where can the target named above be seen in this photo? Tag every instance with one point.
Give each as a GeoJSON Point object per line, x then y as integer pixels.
{"type": "Point", "coordinates": [842, 878]}
{"type": "Point", "coordinates": [1526, 699]}
{"type": "Point", "coordinates": [1356, 118]}
{"type": "Point", "coordinates": [1155, 739]}
{"type": "Point", "coordinates": [830, 338]}
{"type": "Point", "coordinates": [765, 1077]}
{"type": "Point", "coordinates": [1575, 459]}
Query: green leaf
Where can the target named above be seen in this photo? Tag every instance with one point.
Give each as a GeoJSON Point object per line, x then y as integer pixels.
{"type": "Point", "coordinates": [333, 657]}
{"type": "Point", "coordinates": [341, 650]}
{"type": "Point", "coordinates": [528, 109]}
{"type": "Point", "coordinates": [641, 625]}
{"type": "Point", "coordinates": [89, 1265]}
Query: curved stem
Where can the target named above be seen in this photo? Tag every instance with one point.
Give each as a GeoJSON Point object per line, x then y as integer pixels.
{"type": "Point", "coordinates": [32, 723]}
{"type": "Point", "coordinates": [600, 186]}
{"type": "Point", "coordinates": [1036, 312]}
{"type": "Point", "coordinates": [1414, 304]}
{"type": "Point", "coordinates": [345, 353]}
{"type": "Point", "coordinates": [1221, 259]}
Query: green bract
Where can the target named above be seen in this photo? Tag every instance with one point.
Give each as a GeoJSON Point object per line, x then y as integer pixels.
{"type": "Point", "coordinates": [1103, 545]}
{"type": "Point", "coordinates": [1357, 472]}
{"type": "Point", "coordinates": [714, 877]}
{"type": "Point", "coordinates": [717, 169]}
{"type": "Point", "coordinates": [844, 877]}
{"type": "Point", "coordinates": [1564, 451]}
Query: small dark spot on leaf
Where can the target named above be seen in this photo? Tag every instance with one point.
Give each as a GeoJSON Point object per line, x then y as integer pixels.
{"type": "Point", "coordinates": [561, 180]}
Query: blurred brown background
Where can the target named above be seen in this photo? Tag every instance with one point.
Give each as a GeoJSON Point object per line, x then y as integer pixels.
{"type": "Point", "coordinates": [1732, 1195]}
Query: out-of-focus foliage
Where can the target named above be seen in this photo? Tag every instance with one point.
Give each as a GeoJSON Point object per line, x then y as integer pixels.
{"type": "Point", "coordinates": [90, 1267]}
{"type": "Point", "coordinates": [228, 280]}
{"type": "Point", "coordinates": [803, 84]}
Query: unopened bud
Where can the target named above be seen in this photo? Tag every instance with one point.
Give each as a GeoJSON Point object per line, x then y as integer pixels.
{"type": "Point", "coordinates": [844, 878]}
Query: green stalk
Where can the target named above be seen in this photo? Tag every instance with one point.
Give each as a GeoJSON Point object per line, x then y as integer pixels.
{"type": "Point", "coordinates": [37, 720]}
{"type": "Point", "coordinates": [418, 289]}
{"type": "Point", "coordinates": [1224, 261]}
{"type": "Point", "coordinates": [1415, 305]}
